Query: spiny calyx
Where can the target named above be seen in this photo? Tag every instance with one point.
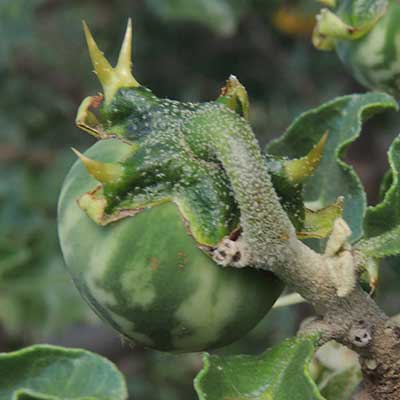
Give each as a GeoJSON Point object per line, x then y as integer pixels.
{"type": "Point", "coordinates": [177, 152]}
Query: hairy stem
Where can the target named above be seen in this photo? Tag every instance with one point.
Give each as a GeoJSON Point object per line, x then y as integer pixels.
{"type": "Point", "coordinates": [266, 227]}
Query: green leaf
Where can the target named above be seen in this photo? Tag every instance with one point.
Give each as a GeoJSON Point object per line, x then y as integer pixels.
{"type": "Point", "coordinates": [45, 372]}
{"type": "Point", "coordinates": [342, 118]}
{"type": "Point", "coordinates": [341, 385]}
{"type": "Point", "coordinates": [382, 222]}
{"type": "Point", "coordinates": [280, 373]}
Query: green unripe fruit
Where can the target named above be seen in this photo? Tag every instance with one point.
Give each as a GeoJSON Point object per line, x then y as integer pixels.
{"type": "Point", "coordinates": [144, 215]}
{"type": "Point", "coordinates": [147, 277]}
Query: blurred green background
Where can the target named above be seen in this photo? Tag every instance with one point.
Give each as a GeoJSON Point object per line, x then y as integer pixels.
{"type": "Point", "coordinates": [183, 50]}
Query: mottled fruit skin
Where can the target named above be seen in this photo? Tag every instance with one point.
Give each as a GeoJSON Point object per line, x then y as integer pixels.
{"type": "Point", "coordinates": [146, 276]}
{"type": "Point", "coordinates": [374, 60]}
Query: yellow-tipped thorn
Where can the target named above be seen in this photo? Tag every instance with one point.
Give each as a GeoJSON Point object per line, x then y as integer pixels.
{"type": "Point", "coordinates": [124, 65]}
{"type": "Point", "coordinates": [302, 168]}
{"type": "Point", "coordinates": [103, 172]}
{"type": "Point", "coordinates": [102, 67]}
{"type": "Point", "coordinates": [111, 78]}
{"type": "Point", "coordinates": [125, 54]}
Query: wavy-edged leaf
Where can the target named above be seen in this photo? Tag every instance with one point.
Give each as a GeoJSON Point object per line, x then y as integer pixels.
{"type": "Point", "coordinates": [382, 222]}
{"type": "Point", "coordinates": [342, 118]}
{"type": "Point", "coordinates": [280, 373]}
{"type": "Point", "coordinates": [43, 372]}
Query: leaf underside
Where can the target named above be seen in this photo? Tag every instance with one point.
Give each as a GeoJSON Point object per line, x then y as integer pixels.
{"type": "Point", "coordinates": [278, 374]}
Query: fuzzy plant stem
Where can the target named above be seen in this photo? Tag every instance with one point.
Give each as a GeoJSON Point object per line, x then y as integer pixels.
{"type": "Point", "coordinates": [266, 228]}
{"type": "Point", "coordinates": [352, 318]}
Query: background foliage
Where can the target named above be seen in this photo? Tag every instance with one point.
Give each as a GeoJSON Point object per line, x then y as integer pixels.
{"type": "Point", "coordinates": [183, 50]}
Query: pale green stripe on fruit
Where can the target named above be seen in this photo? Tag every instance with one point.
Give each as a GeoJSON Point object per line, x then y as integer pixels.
{"type": "Point", "coordinates": [136, 282]}
{"type": "Point", "coordinates": [222, 311]}
{"type": "Point", "coordinates": [100, 261]}
{"type": "Point", "coordinates": [142, 293]}
{"type": "Point", "coordinates": [73, 218]}
{"type": "Point", "coordinates": [129, 326]}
